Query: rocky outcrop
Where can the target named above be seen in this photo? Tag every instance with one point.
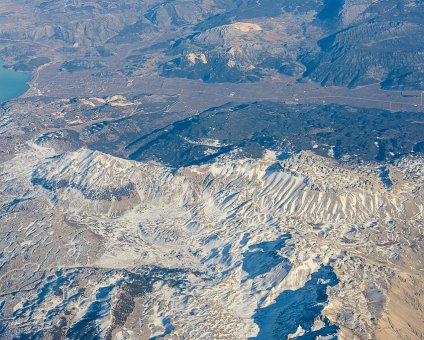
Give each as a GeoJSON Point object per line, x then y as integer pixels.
{"type": "Point", "coordinates": [235, 236]}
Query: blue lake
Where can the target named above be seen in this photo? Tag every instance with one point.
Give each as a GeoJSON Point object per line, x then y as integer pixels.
{"type": "Point", "coordinates": [12, 83]}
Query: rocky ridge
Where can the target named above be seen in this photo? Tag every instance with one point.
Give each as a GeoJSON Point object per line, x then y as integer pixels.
{"type": "Point", "coordinates": [196, 228]}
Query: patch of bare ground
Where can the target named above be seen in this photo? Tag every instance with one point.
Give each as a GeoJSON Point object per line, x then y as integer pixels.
{"type": "Point", "coordinates": [403, 317]}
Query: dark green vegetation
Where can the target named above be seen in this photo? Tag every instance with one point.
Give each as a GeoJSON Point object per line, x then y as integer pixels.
{"type": "Point", "coordinates": [333, 42]}
{"type": "Point", "coordinates": [188, 82]}
{"type": "Point", "coordinates": [360, 133]}
{"type": "Point", "coordinates": [100, 49]}
{"type": "Point", "coordinates": [384, 51]}
{"type": "Point", "coordinates": [338, 131]}
{"type": "Point", "coordinates": [342, 45]}
{"type": "Point", "coordinates": [31, 64]}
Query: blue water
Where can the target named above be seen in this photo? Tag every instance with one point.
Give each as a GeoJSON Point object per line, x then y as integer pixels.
{"type": "Point", "coordinates": [12, 83]}
{"type": "Point", "coordinates": [298, 307]}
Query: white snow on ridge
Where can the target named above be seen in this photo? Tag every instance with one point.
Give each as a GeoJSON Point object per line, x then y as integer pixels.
{"type": "Point", "coordinates": [117, 214]}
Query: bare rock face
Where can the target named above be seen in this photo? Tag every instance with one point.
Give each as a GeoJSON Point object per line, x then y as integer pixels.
{"type": "Point", "coordinates": [216, 245]}
{"type": "Point", "coordinates": [365, 42]}
{"type": "Point", "coordinates": [240, 51]}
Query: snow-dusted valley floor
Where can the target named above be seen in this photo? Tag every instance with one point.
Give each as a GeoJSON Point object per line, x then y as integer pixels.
{"type": "Point", "coordinates": [95, 246]}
